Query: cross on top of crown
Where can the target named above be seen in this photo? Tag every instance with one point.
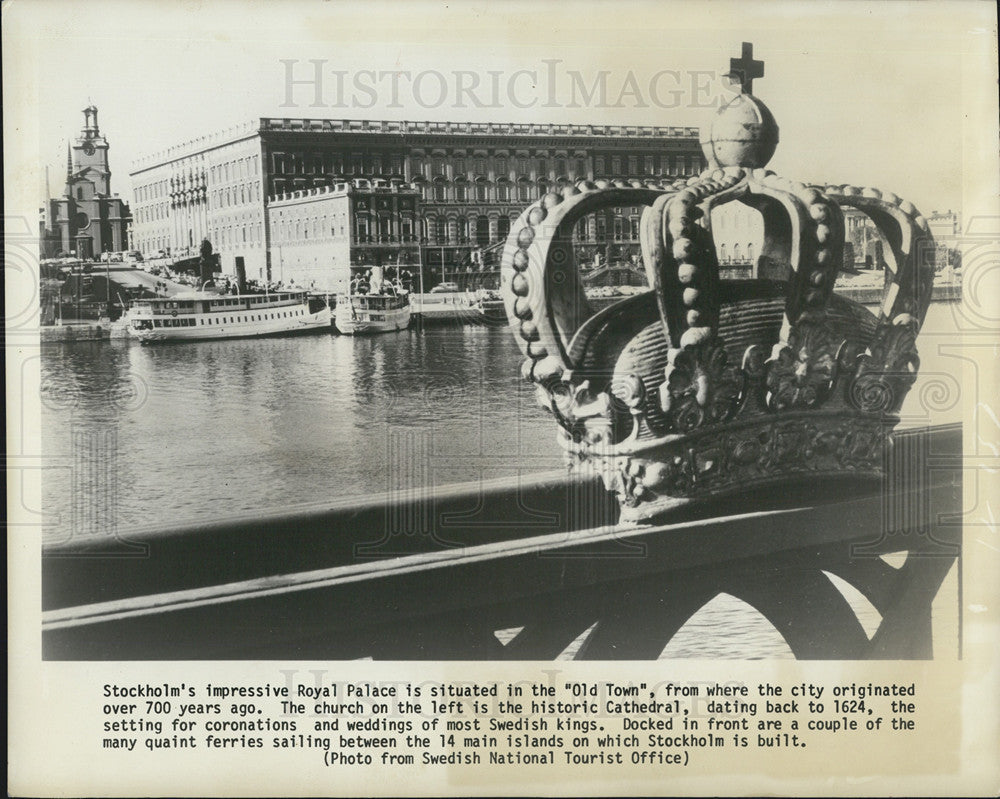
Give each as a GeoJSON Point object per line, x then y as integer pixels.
{"type": "Point", "coordinates": [744, 69]}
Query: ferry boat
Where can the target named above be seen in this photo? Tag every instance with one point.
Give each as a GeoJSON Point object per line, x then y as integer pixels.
{"type": "Point", "coordinates": [383, 308]}
{"type": "Point", "coordinates": [206, 315]}
{"type": "Point", "coordinates": [490, 306]}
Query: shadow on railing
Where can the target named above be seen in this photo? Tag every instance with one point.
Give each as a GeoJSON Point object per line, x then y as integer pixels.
{"type": "Point", "coordinates": [435, 574]}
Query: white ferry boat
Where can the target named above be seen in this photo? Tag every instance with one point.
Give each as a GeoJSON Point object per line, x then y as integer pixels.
{"type": "Point", "coordinates": [384, 308]}
{"type": "Point", "coordinates": [205, 315]}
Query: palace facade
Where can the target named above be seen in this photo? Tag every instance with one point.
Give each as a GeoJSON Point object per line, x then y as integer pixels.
{"type": "Point", "coordinates": [471, 179]}
{"type": "Point", "coordinates": [319, 235]}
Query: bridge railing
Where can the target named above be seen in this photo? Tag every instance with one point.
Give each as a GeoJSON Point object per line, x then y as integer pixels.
{"type": "Point", "coordinates": [436, 574]}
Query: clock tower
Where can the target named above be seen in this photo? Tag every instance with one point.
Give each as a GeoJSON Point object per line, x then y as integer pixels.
{"type": "Point", "coordinates": [88, 219]}
{"type": "Point", "coordinates": [90, 153]}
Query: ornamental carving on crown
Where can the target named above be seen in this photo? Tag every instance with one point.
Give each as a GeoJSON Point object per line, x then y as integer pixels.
{"type": "Point", "coordinates": [703, 386]}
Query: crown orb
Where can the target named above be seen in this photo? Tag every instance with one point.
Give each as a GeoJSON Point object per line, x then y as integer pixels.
{"type": "Point", "coordinates": [743, 133]}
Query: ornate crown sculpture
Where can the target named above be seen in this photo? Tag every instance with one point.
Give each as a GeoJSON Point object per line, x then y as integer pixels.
{"type": "Point", "coordinates": [704, 386]}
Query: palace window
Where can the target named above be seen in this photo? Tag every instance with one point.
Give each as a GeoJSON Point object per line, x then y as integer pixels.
{"type": "Point", "coordinates": [482, 230]}
{"type": "Point", "coordinates": [616, 167]}
{"type": "Point", "coordinates": [362, 228]}
{"type": "Point", "coordinates": [601, 228]}
{"type": "Point", "coordinates": [599, 166]}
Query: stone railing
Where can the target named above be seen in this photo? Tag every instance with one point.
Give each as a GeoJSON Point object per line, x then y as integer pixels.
{"type": "Point", "coordinates": [436, 575]}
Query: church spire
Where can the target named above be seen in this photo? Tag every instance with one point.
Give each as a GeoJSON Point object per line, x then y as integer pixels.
{"type": "Point", "coordinates": [69, 162]}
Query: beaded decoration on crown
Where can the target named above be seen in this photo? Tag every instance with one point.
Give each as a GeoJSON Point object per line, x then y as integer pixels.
{"type": "Point", "coordinates": [705, 386]}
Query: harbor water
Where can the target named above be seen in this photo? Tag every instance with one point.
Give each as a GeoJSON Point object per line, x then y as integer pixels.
{"type": "Point", "coordinates": [201, 430]}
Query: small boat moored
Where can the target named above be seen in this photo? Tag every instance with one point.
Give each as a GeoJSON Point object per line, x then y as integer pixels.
{"type": "Point", "coordinates": [380, 306]}
{"type": "Point", "coordinates": [490, 306]}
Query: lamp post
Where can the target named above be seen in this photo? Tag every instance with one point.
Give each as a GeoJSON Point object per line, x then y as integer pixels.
{"type": "Point", "coordinates": [107, 280]}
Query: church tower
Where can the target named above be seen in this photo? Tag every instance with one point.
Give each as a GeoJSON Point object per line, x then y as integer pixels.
{"type": "Point", "coordinates": [90, 154]}
{"type": "Point", "coordinates": [88, 219]}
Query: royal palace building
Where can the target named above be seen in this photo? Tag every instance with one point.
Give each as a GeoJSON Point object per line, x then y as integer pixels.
{"type": "Point", "coordinates": [467, 182]}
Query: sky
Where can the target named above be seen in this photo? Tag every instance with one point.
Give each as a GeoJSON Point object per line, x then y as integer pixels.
{"type": "Point", "coordinates": [886, 95]}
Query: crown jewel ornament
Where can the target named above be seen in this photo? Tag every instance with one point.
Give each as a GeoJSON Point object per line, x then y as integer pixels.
{"type": "Point", "coordinates": [702, 386]}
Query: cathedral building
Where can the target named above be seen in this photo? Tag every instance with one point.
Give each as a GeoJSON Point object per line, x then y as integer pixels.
{"type": "Point", "coordinates": [88, 219]}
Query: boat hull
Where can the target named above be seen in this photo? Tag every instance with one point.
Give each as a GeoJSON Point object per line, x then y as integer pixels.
{"type": "Point", "coordinates": [492, 312]}
{"type": "Point", "coordinates": [356, 325]}
{"type": "Point", "coordinates": [444, 307]}
{"type": "Point", "coordinates": [271, 327]}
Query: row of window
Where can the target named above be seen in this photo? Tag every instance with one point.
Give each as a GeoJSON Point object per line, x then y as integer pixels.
{"type": "Point", "coordinates": [236, 195]}
{"type": "Point", "coordinates": [237, 234]}
{"type": "Point", "coordinates": [439, 230]}
{"type": "Point", "coordinates": [152, 191]}
{"type": "Point", "coordinates": [443, 230]}
{"type": "Point", "coordinates": [226, 172]}
{"type": "Point", "coordinates": [601, 228]}
{"type": "Point", "coordinates": [737, 253]}
{"type": "Point", "coordinates": [297, 163]}
{"type": "Point", "coordinates": [150, 244]}
{"type": "Point", "coordinates": [235, 169]}
{"type": "Point", "coordinates": [334, 163]}
{"type": "Point", "coordinates": [151, 213]}
{"type": "Point", "coordinates": [227, 319]}
{"type": "Point", "coordinates": [221, 237]}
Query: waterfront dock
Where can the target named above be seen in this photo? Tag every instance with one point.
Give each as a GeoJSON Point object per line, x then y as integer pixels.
{"type": "Point", "coordinates": [76, 331]}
